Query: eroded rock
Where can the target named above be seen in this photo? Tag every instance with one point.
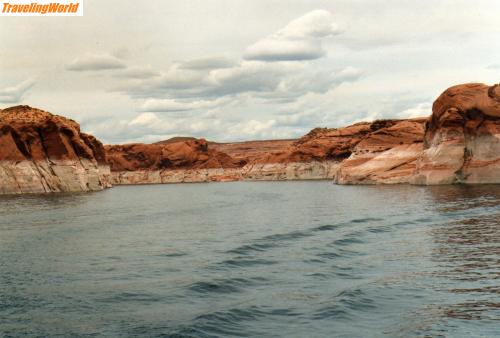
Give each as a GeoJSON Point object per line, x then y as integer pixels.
{"type": "Point", "coordinates": [41, 152]}
{"type": "Point", "coordinates": [462, 138]}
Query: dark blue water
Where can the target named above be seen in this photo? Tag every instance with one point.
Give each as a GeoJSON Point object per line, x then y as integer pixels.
{"type": "Point", "coordinates": [268, 259]}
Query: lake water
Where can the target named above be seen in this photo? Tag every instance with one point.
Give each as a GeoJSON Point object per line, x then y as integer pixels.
{"type": "Point", "coordinates": [260, 259]}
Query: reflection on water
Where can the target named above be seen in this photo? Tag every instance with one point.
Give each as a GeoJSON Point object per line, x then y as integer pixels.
{"type": "Point", "coordinates": [262, 259]}
{"type": "Point", "coordinates": [468, 250]}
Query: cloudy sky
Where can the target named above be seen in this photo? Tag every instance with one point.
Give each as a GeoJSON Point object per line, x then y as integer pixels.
{"type": "Point", "coordinates": [236, 69]}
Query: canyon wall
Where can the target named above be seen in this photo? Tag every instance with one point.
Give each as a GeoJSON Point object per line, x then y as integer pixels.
{"type": "Point", "coordinates": [458, 143]}
{"type": "Point", "coordinates": [386, 155]}
{"type": "Point", "coordinates": [462, 138]}
{"type": "Point", "coordinates": [41, 152]}
{"type": "Point", "coordinates": [196, 160]}
{"type": "Point", "coordinates": [251, 172]}
{"type": "Point", "coordinates": [335, 154]}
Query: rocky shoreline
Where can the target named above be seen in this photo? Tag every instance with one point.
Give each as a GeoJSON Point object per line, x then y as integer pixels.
{"type": "Point", "coordinates": [41, 153]}
{"type": "Point", "coordinates": [253, 172]}
{"type": "Point", "coordinates": [458, 144]}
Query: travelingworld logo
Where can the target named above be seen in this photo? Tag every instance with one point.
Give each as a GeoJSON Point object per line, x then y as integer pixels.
{"type": "Point", "coordinates": [41, 8]}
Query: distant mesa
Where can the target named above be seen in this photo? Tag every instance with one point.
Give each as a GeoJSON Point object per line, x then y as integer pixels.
{"type": "Point", "coordinates": [458, 144]}
{"type": "Point", "coordinates": [189, 154]}
{"type": "Point", "coordinates": [176, 139]}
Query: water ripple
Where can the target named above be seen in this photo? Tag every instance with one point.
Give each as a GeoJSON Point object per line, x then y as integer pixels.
{"type": "Point", "coordinates": [223, 286]}
{"type": "Point", "coordinates": [294, 259]}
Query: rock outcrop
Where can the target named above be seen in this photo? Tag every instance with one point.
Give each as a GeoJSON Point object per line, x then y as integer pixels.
{"type": "Point", "coordinates": [383, 151]}
{"type": "Point", "coordinates": [185, 160]}
{"type": "Point", "coordinates": [257, 172]}
{"type": "Point", "coordinates": [191, 154]}
{"type": "Point", "coordinates": [388, 154]}
{"type": "Point", "coordinates": [41, 152]}
{"type": "Point", "coordinates": [253, 151]}
{"type": "Point", "coordinates": [167, 162]}
{"type": "Point", "coordinates": [458, 143]}
{"type": "Point", "coordinates": [462, 138]}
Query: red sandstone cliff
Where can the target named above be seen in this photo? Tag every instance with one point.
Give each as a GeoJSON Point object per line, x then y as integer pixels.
{"type": "Point", "coordinates": [386, 155]}
{"type": "Point", "coordinates": [462, 138]}
{"type": "Point", "coordinates": [383, 151]}
{"type": "Point", "coordinates": [42, 152]}
{"type": "Point", "coordinates": [458, 143]}
{"type": "Point", "coordinates": [190, 154]}
{"type": "Point", "coordinates": [253, 151]}
{"type": "Point", "coordinates": [178, 160]}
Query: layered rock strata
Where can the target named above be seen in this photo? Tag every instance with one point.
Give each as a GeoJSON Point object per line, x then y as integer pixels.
{"type": "Point", "coordinates": [199, 161]}
{"type": "Point", "coordinates": [251, 172]}
{"type": "Point", "coordinates": [458, 143]}
{"type": "Point", "coordinates": [386, 155]}
{"type": "Point", "coordinates": [321, 154]}
{"type": "Point", "coordinates": [41, 152]}
{"type": "Point", "coordinates": [462, 138]}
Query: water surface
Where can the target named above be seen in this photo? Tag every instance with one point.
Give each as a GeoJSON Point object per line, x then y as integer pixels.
{"type": "Point", "coordinates": [258, 259]}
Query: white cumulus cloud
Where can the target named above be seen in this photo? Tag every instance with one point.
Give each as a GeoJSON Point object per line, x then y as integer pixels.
{"type": "Point", "coordinates": [137, 73]}
{"type": "Point", "coordinates": [420, 110]}
{"type": "Point", "coordinates": [207, 63]}
{"type": "Point", "coordinates": [172, 105]}
{"type": "Point", "coordinates": [94, 62]}
{"type": "Point", "coordinates": [145, 119]}
{"type": "Point", "coordinates": [15, 94]}
{"type": "Point", "coordinates": [297, 41]}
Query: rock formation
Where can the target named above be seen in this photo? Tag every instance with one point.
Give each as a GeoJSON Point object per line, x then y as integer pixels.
{"type": "Point", "coordinates": [168, 162]}
{"type": "Point", "coordinates": [462, 138]}
{"type": "Point", "coordinates": [387, 154]}
{"type": "Point", "coordinates": [41, 152]}
{"type": "Point", "coordinates": [191, 154]}
{"type": "Point", "coordinates": [253, 151]}
{"type": "Point", "coordinates": [382, 152]}
{"type": "Point", "coordinates": [458, 143]}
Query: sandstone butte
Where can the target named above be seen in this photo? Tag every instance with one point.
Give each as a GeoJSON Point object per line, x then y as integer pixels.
{"type": "Point", "coordinates": [462, 138]}
{"type": "Point", "coordinates": [41, 153]}
{"type": "Point", "coordinates": [458, 143]}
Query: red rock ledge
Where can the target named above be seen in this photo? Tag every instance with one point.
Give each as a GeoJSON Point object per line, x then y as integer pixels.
{"type": "Point", "coordinates": [41, 152]}
{"type": "Point", "coordinates": [458, 143]}
{"type": "Point", "coordinates": [462, 138]}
